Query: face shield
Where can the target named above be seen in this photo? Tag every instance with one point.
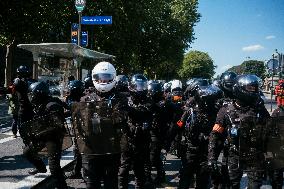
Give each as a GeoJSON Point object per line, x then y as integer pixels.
{"type": "Point", "coordinates": [252, 88]}
{"type": "Point", "coordinates": [141, 86]}
{"type": "Point", "coordinates": [103, 78]}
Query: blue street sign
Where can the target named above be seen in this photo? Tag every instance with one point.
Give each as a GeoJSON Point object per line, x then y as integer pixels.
{"type": "Point", "coordinates": [272, 65]}
{"type": "Point", "coordinates": [74, 26]}
{"type": "Point", "coordinates": [74, 40]}
{"type": "Point", "coordinates": [74, 33]}
{"type": "Point", "coordinates": [84, 39]}
{"type": "Point", "coordinates": [93, 20]}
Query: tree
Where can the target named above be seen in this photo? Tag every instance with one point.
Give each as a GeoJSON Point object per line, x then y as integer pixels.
{"type": "Point", "coordinates": [250, 67]}
{"type": "Point", "coordinates": [32, 21]}
{"type": "Point", "coordinates": [197, 64]}
{"type": "Point", "coordinates": [144, 36]}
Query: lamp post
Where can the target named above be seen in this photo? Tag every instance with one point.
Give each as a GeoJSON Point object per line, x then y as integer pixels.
{"type": "Point", "coordinates": [80, 5]}
{"type": "Point", "coordinates": [279, 64]}
{"type": "Point", "coordinates": [271, 87]}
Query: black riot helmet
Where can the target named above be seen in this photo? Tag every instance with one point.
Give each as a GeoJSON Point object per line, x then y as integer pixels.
{"type": "Point", "coordinates": [155, 91]}
{"type": "Point", "coordinates": [23, 71]}
{"type": "Point", "coordinates": [122, 83]}
{"type": "Point", "coordinates": [88, 82]}
{"type": "Point", "coordinates": [247, 89]}
{"type": "Point", "coordinates": [76, 89]}
{"type": "Point", "coordinates": [227, 81]}
{"type": "Point", "coordinates": [138, 87]}
{"type": "Point", "coordinates": [38, 92]}
{"type": "Point", "coordinates": [207, 96]}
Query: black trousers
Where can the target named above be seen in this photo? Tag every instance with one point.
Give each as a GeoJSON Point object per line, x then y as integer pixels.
{"type": "Point", "coordinates": [15, 124]}
{"type": "Point", "coordinates": [97, 168]}
{"type": "Point", "coordinates": [194, 161]}
{"type": "Point", "coordinates": [276, 176]}
{"type": "Point", "coordinates": [54, 154]}
{"type": "Point", "coordinates": [134, 156]}
{"type": "Point", "coordinates": [155, 156]}
{"type": "Point", "coordinates": [254, 171]}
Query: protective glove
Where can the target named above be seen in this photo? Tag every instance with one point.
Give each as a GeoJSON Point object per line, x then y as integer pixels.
{"type": "Point", "coordinates": [213, 165]}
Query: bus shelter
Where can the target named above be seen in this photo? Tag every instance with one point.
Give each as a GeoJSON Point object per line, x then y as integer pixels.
{"type": "Point", "coordinates": [52, 58]}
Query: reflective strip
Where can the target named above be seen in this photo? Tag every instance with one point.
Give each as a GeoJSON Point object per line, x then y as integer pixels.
{"type": "Point", "coordinates": [180, 123]}
{"type": "Point", "coordinates": [218, 128]}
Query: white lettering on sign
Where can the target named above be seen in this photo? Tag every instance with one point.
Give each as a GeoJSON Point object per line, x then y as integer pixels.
{"type": "Point", "coordinates": [80, 2]}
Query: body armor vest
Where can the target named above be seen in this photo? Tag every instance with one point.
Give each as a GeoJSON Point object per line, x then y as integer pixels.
{"type": "Point", "coordinates": [275, 140]}
{"type": "Point", "coordinates": [246, 132]}
{"type": "Point", "coordinates": [96, 127]}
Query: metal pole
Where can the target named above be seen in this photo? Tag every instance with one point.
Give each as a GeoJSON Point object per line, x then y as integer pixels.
{"type": "Point", "coordinates": [272, 82]}
{"type": "Point", "coordinates": [79, 28]}
{"type": "Point", "coordinates": [79, 74]}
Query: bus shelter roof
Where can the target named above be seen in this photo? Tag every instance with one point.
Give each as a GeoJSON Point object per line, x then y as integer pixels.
{"type": "Point", "coordinates": [64, 50]}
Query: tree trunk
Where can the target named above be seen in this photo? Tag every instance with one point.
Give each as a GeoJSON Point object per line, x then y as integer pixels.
{"type": "Point", "coordinates": [10, 54]}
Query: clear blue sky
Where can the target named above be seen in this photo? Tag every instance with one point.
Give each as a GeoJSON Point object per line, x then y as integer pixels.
{"type": "Point", "coordinates": [230, 31]}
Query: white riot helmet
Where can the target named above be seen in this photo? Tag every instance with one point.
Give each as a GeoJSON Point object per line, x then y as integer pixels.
{"type": "Point", "coordinates": [176, 85]}
{"type": "Point", "coordinates": [103, 76]}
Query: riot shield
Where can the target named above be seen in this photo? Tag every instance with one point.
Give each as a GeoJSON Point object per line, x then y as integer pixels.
{"type": "Point", "coordinates": [252, 136]}
{"type": "Point", "coordinates": [95, 132]}
{"type": "Point", "coordinates": [275, 142]}
{"type": "Point", "coordinates": [44, 128]}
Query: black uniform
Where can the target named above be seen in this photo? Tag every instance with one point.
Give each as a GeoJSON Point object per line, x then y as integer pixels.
{"type": "Point", "coordinates": [241, 157]}
{"type": "Point", "coordinates": [98, 119]}
{"type": "Point", "coordinates": [196, 123]}
{"type": "Point", "coordinates": [13, 108]}
{"type": "Point", "coordinates": [25, 112]}
{"type": "Point", "coordinates": [136, 137]}
{"type": "Point", "coordinates": [135, 145]}
{"type": "Point", "coordinates": [276, 175]}
{"type": "Point", "coordinates": [76, 90]}
{"type": "Point", "coordinates": [176, 105]}
{"type": "Point", "coordinates": [51, 112]}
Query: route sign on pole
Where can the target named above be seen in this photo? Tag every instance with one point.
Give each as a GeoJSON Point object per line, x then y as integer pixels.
{"type": "Point", "coordinates": [80, 5]}
{"type": "Point", "coordinates": [84, 39]}
{"type": "Point", "coordinates": [96, 20]}
{"type": "Point", "coordinates": [74, 33]}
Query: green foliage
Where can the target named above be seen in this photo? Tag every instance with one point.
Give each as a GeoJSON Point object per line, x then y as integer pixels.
{"type": "Point", "coordinates": [145, 36]}
{"type": "Point", "coordinates": [32, 21]}
{"type": "Point", "coordinates": [250, 67]}
{"type": "Point", "coordinates": [197, 64]}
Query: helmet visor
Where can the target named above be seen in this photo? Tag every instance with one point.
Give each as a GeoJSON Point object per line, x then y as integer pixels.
{"type": "Point", "coordinates": [251, 88]}
{"type": "Point", "coordinates": [141, 86]}
{"type": "Point", "coordinates": [103, 78]}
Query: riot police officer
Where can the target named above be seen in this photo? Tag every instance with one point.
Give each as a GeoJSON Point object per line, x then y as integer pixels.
{"type": "Point", "coordinates": [175, 98]}
{"type": "Point", "coordinates": [161, 119]}
{"type": "Point", "coordinates": [21, 85]}
{"type": "Point", "coordinates": [122, 83]}
{"type": "Point", "coordinates": [46, 129]}
{"type": "Point", "coordinates": [242, 124]}
{"type": "Point", "coordinates": [225, 83]}
{"type": "Point", "coordinates": [275, 171]}
{"type": "Point", "coordinates": [136, 137]}
{"type": "Point", "coordinates": [88, 82]}
{"type": "Point", "coordinates": [196, 124]}
{"type": "Point", "coordinates": [98, 120]}
{"type": "Point", "coordinates": [75, 92]}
